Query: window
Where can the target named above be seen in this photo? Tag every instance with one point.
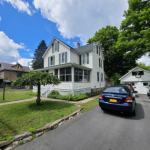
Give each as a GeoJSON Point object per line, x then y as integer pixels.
{"type": "Point", "coordinates": [65, 74]}
{"type": "Point", "coordinates": [51, 61]}
{"type": "Point", "coordinates": [97, 49]}
{"type": "Point", "coordinates": [55, 47]}
{"type": "Point", "coordinates": [78, 75]}
{"type": "Point", "coordinates": [85, 58]}
{"type": "Point", "coordinates": [86, 76]}
{"type": "Point", "coordinates": [63, 58]}
{"type": "Point", "coordinates": [101, 77]}
{"type": "Point", "coordinates": [145, 84]}
{"type": "Point", "coordinates": [98, 76]}
{"type": "Point", "coordinates": [134, 73]}
{"type": "Point", "coordinates": [18, 66]}
{"type": "Point", "coordinates": [56, 72]}
{"type": "Point", "coordinates": [132, 83]}
{"type": "Point", "coordinates": [99, 62]}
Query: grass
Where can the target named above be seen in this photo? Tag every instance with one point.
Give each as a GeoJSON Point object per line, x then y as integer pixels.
{"type": "Point", "coordinates": [20, 117]}
{"type": "Point", "coordinates": [88, 105]}
{"type": "Point", "coordinates": [14, 96]}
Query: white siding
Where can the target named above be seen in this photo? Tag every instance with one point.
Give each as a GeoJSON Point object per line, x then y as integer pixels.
{"type": "Point", "coordinates": [130, 78]}
{"type": "Point", "coordinates": [90, 65]}
{"type": "Point", "coordinates": [62, 49]}
{"type": "Point", "coordinates": [74, 57]}
{"type": "Point", "coordinates": [96, 68]}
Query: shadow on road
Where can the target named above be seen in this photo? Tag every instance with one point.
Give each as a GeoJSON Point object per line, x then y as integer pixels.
{"type": "Point", "coordinates": [139, 113]}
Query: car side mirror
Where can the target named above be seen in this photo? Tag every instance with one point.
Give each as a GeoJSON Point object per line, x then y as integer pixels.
{"type": "Point", "coordinates": [135, 92]}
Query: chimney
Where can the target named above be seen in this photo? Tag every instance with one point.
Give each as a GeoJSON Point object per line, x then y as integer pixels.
{"type": "Point", "coordinates": [78, 44]}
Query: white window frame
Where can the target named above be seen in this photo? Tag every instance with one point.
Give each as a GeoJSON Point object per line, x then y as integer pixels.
{"type": "Point", "coordinates": [84, 58]}
{"type": "Point", "coordinates": [62, 58]}
{"type": "Point", "coordinates": [51, 64]}
{"type": "Point", "coordinates": [55, 47]}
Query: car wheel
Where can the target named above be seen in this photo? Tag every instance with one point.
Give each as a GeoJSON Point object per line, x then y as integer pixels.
{"type": "Point", "coordinates": [102, 108]}
{"type": "Point", "coordinates": [134, 113]}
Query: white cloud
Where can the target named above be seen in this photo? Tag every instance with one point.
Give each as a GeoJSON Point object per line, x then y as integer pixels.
{"type": "Point", "coordinates": [20, 5]}
{"type": "Point", "coordinates": [9, 51]}
{"type": "Point", "coordinates": [0, 18]}
{"type": "Point", "coordinates": [31, 54]}
{"type": "Point", "coordinates": [76, 18]}
{"type": "Point", "coordinates": [24, 61]}
{"type": "Point", "coordinates": [144, 59]}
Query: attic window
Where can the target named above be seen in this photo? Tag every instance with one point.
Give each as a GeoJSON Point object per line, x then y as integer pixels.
{"type": "Point", "coordinates": [18, 66]}
{"type": "Point", "coordinates": [137, 73]}
{"type": "Point", "coordinates": [0, 65]}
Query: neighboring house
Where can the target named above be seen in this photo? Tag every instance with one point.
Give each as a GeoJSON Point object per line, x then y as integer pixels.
{"type": "Point", "coordinates": [80, 70]}
{"type": "Point", "coordinates": [139, 78]}
{"type": "Point", "coordinates": [10, 72]}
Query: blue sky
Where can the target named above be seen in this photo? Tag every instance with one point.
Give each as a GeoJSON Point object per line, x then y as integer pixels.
{"type": "Point", "coordinates": [24, 23]}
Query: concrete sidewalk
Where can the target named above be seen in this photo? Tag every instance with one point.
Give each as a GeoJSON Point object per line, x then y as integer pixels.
{"type": "Point", "coordinates": [52, 99]}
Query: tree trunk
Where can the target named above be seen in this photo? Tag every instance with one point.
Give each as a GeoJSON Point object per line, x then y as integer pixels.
{"type": "Point", "coordinates": [38, 95]}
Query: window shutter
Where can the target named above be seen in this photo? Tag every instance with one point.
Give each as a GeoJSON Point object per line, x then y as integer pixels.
{"type": "Point", "coordinates": [59, 58]}
{"type": "Point", "coordinates": [53, 60]}
{"type": "Point", "coordinates": [87, 58]}
{"type": "Point", "coordinates": [99, 51]}
{"type": "Point", "coordinates": [65, 57]}
{"type": "Point", "coordinates": [99, 62]}
{"type": "Point", "coordinates": [58, 46]}
{"type": "Point", "coordinates": [79, 59]}
{"type": "Point", "coordinates": [48, 61]}
{"type": "Point", "coordinates": [102, 64]}
{"type": "Point", "coordinates": [52, 48]}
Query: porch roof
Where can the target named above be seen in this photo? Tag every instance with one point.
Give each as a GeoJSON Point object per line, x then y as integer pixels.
{"type": "Point", "coordinates": [62, 66]}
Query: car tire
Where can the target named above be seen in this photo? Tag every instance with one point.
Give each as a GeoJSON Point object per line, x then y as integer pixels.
{"type": "Point", "coordinates": [134, 113]}
{"type": "Point", "coordinates": [102, 108]}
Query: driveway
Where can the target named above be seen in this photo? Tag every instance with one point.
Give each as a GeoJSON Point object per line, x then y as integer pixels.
{"type": "Point", "coordinates": [98, 130]}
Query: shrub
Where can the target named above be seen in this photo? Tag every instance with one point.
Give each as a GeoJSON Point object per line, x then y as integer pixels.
{"type": "Point", "coordinates": [53, 92]}
{"type": "Point", "coordinates": [8, 138]}
{"type": "Point", "coordinates": [32, 130]}
{"type": "Point", "coordinates": [69, 97]}
{"type": "Point", "coordinates": [7, 88]}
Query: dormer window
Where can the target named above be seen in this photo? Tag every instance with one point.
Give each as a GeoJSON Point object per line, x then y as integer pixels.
{"type": "Point", "coordinates": [18, 66]}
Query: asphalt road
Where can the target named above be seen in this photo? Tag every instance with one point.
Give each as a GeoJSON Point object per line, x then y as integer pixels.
{"type": "Point", "coordinates": [98, 130]}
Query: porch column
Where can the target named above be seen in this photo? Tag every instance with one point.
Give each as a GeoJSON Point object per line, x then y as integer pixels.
{"type": "Point", "coordinates": [72, 73]}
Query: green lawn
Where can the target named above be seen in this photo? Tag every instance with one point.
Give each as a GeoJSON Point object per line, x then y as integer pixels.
{"type": "Point", "coordinates": [20, 117]}
{"type": "Point", "coordinates": [14, 96]}
{"type": "Point", "coordinates": [88, 105]}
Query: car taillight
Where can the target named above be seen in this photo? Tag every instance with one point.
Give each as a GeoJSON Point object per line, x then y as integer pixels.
{"type": "Point", "coordinates": [129, 100]}
{"type": "Point", "coordinates": [100, 97]}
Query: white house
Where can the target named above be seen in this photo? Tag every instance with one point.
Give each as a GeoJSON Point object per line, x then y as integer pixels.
{"type": "Point", "coordinates": [80, 70]}
{"type": "Point", "coordinates": [139, 78]}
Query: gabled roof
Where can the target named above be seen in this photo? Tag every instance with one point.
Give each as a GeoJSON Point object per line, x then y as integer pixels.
{"type": "Point", "coordinates": [87, 47]}
{"type": "Point", "coordinates": [66, 45]}
{"type": "Point", "coordinates": [6, 66]}
{"type": "Point", "coordinates": [133, 70]}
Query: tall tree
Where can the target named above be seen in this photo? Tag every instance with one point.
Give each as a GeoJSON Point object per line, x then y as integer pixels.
{"type": "Point", "coordinates": [135, 29]}
{"type": "Point", "coordinates": [38, 63]}
{"type": "Point", "coordinates": [142, 65]}
{"type": "Point", "coordinates": [114, 60]}
{"type": "Point", "coordinates": [37, 78]}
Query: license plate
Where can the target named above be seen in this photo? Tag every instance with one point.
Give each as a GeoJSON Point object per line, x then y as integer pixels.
{"type": "Point", "coordinates": [113, 100]}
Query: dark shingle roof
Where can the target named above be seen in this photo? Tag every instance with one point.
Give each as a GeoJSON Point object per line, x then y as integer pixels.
{"type": "Point", "coordinates": [6, 66]}
{"type": "Point", "coordinates": [86, 47]}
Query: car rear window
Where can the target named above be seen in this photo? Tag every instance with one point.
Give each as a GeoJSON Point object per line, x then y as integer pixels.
{"type": "Point", "coordinates": [121, 90]}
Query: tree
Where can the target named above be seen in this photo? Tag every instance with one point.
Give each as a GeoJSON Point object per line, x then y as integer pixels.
{"type": "Point", "coordinates": [114, 59]}
{"type": "Point", "coordinates": [142, 65]}
{"type": "Point", "coordinates": [37, 63]}
{"type": "Point", "coordinates": [36, 78]}
{"type": "Point", "coordinates": [134, 38]}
